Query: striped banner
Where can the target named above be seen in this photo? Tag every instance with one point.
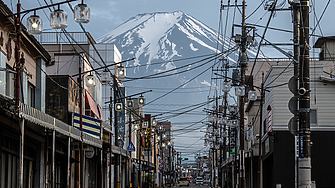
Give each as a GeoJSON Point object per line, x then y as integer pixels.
{"type": "Point", "coordinates": [91, 125]}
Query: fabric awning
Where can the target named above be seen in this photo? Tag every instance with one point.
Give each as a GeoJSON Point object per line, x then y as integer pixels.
{"type": "Point", "coordinates": [101, 114]}
{"type": "Point", "coordinates": [92, 104]}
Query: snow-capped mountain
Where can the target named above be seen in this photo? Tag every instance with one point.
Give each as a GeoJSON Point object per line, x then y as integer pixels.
{"type": "Point", "coordinates": [163, 37]}
{"type": "Point", "coordinates": [158, 42]}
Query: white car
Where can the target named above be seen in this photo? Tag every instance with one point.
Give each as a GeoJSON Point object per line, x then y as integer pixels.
{"type": "Point", "coordinates": [199, 181]}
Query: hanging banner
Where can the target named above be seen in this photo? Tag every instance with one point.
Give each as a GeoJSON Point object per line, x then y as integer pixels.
{"type": "Point", "coordinates": [250, 132]}
{"type": "Point", "coordinates": [147, 140]}
{"type": "Point", "coordinates": [121, 116]}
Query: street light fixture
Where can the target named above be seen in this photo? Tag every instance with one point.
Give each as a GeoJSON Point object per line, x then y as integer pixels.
{"type": "Point", "coordinates": [118, 107]}
{"type": "Point", "coordinates": [121, 72]}
{"type": "Point", "coordinates": [226, 86]}
{"type": "Point", "coordinates": [141, 100]}
{"type": "Point", "coordinates": [252, 95]}
{"type": "Point", "coordinates": [34, 24]}
{"type": "Point", "coordinates": [82, 13]}
{"type": "Point", "coordinates": [90, 80]}
{"type": "Point", "coordinates": [58, 19]}
{"type": "Point", "coordinates": [240, 91]}
{"type": "Point", "coordinates": [154, 122]}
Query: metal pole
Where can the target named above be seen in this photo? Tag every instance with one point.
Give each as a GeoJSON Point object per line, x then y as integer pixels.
{"type": "Point", "coordinates": [304, 160]}
{"type": "Point", "coordinates": [81, 130]}
{"type": "Point", "coordinates": [260, 133]}
{"type": "Point", "coordinates": [110, 139]}
{"type": "Point", "coordinates": [21, 153]}
{"type": "Point", "coordinates": [139, 156]}
{"type": "Point", "coordinates": [17, 56]}
{"type": "Point", "coordinates": [68, 162]}
{"type": "Point", "coordinates": [243, 63]}
{"type": "Point", "coordinates": [53, 158]}
{"type": "Point", "coordinates": [155, 160]}
{"type": "Point", "coordinates": [296, 20]}
{"type": "Point", "coordinates": [129, 179]}
{"type": "Point", "coordinates": [116, 167]}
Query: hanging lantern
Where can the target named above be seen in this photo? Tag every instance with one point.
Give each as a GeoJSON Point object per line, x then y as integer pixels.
{"type": "Point", "coordinates": [154, 122]}
{"type": "Point", "coordinates": [141, 100]}
{"type": "Point", "coordinates": [34, 24]}
{"type": "Point", "coordinates": [105, 77]}
{"type": "Point", "coordinates": [118, 107]}
{"type": "Point", "coordinates": [145, 124]}
{"type": "Point", "coordinates": [82, 13]}
{"type": "Point", "coordinates": [121, 72]}
{"type": "Point", "coordinates": [130, 103]}
{"type": "Point", "coordinates": [240, 91]}
{"type": "Point", "coordinates": [58, 19]}
{"type": "Point", "coordinates": [90, 80]}
{"type": "Point", "coordinates": [226, 86]}
{"type": "Point", "coordinates": [252, 95]}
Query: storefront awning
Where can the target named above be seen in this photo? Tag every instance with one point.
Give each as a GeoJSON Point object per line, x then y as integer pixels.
{"type": "Point", "coordinates": [92, 104]}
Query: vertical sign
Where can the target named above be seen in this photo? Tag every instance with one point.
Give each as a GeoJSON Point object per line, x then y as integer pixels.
{"type": "Point", "coordinates": [147, 121]}
{"type": "Point", "coordinates": [269, 118]}
{"type": "Point", "coordinates": [121, 116]}
{"type": "Point", "coordinates": [147, 140]}
{"type": "Point", "coordinates": [301, 146]}
{"type": "Point", "coordinates": [250, 132]}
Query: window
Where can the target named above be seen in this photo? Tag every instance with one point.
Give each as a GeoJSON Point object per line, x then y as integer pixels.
{"type": "Point", "coordinates": [313, 116]}
{"type": "Point", "coordinates": [31, 95]}
{"type": "Point", "coordinates": [10, 79]}
{"type": "Point", "coordinates": [2, 73]}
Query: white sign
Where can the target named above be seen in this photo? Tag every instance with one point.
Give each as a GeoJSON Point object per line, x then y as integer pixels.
{"type": "Point", "coordinates": [250, 132]}
{"type": "Point", "coordinates": [89, 152]}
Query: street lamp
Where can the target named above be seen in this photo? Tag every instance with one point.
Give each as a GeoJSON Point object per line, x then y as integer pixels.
{"type": "Point", "coordinates": [154, 122]}
{"type": "Point", "coordinates": [240, 91]}
{"type": "Point", "coordinates": [90, 80]}
{"type": "Point", "coordinates": [34, 24]}
{"type": "Point", "coordinates": [121, 72]}
{"type": "Point", "coordinates": [82, 13]}
{"type": "Point", "coordinates": [141, 100]}
{"type": "Point", "coordinates": [252, 95]}
{"type": "Point", "coordinates": [58, 19]}
{"type": "Point", "coordinates": [226, 86]}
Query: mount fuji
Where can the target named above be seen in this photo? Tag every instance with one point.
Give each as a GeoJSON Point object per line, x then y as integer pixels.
{"type": "Point", "coordinates": [171, 50]}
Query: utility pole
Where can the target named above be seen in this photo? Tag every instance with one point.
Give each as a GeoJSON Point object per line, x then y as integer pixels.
{"type": "Point", "coordinates": [224, 156]}
{"type": "Point", "coordinates": [260, 133]}
{"type": "Point", "coordinates": [296, 22]}
{"type": "Point", "coordinates": [111, 137]}
{"type": "Point", "coordinates": [243, 64]}
{"type": "Point", "coordinates": [304, 160]}
{"type": "Point", "coordinates": [117, 157]}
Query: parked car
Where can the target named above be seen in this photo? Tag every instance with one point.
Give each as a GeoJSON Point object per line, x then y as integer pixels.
{"type": "Point", "coordinates": [199, 181]}
{"type": "Point", "coordinates": [184, 182]}
{"type": "Point", "coordinates": [206, 181]}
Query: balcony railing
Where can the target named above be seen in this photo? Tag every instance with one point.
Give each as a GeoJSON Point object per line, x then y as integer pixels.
{"type": "Point", "coordinates": [64, 38]}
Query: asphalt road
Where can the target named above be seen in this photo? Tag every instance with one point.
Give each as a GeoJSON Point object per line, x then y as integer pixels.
{"type": "Point", "coordinates": [192, 185]}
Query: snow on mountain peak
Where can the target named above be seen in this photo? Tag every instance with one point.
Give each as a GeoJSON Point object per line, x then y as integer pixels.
{"type": "Point", "coordinates": [161, 36]}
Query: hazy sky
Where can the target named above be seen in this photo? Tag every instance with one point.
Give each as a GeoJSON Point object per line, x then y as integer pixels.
{"type": "Point", "coordinates": [106, 15]}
